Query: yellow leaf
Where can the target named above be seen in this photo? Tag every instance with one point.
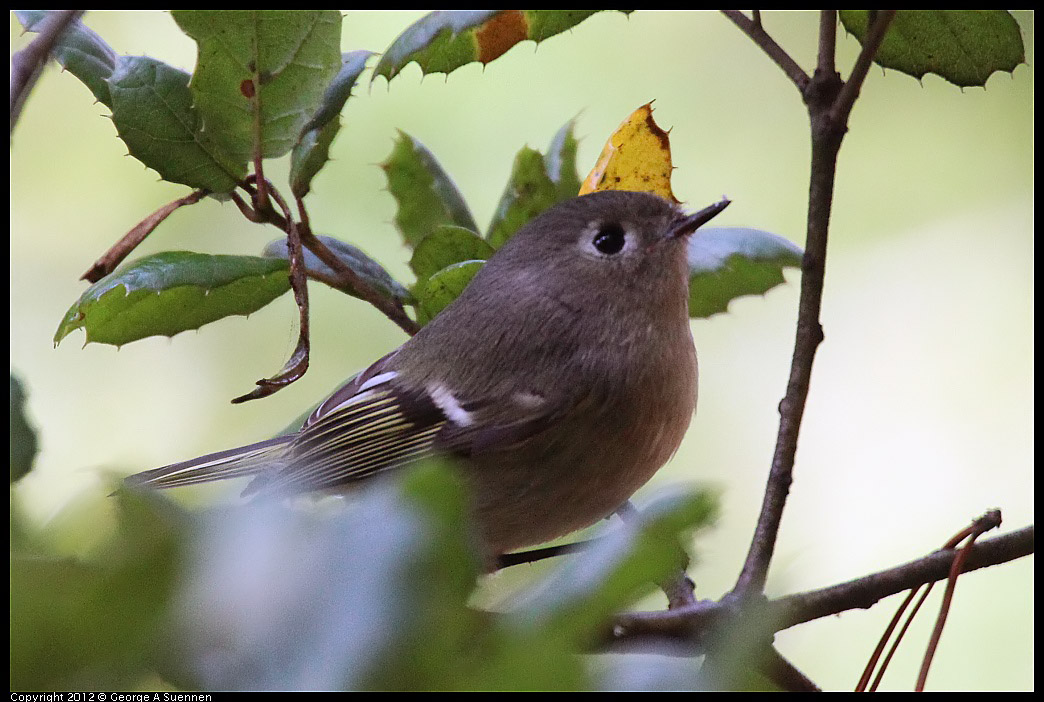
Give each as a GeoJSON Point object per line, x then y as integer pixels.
{"type": "Point", "coordinates": [636, 157]}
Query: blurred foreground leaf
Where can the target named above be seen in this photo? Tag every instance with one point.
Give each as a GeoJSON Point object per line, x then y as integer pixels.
{"type": "Point", "coordinates": [96, 624]}
{"type": "Point", "coordinates": [167, 293]}
{"type": "Point", "coordinates": [23, 436]}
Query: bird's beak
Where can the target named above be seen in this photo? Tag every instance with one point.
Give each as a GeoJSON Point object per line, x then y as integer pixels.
{"type": "Point", "coordinates": [693, 222]}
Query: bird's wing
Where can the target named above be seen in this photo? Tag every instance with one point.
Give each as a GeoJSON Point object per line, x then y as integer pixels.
{"type": "Point", "coordinates": [376, 423]}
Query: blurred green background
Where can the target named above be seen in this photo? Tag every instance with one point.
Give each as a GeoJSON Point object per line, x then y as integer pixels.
{"type": "Point", "coordinates": [920, 412]}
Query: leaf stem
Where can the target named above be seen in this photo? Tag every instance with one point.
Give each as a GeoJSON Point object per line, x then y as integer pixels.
{"type": "Point", "coordinates": [122, 248]}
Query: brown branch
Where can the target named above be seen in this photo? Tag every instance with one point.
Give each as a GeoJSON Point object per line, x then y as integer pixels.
{"type": "Point", "coordinates": [122, 248]}
{"type": "Point", "coordinates": [827, 40]}
{"type": "Point", "coordinates": [27, 64]}
{"type": "Point", "coordinates": [694, 623]}
{"type": "Point", "coordinates": [344, 279]}
{"type": "Point", "coordinates": [352, 283]}
{"type": "Point", "coordinates": [754, 30]}
{"type": "Point", "coordinates": [829, 103]}
{"type": "Point", "coordinates": [875, 34]}
{"type": "Point", "coordinates": [863, 593]}
{"type": "Point", "coordinates": [297, 364]}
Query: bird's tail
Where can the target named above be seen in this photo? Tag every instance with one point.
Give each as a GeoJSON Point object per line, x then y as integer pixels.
{"type": "Point", "coordinates": [233, 463]}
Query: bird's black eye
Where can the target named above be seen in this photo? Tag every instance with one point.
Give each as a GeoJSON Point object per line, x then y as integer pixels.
{"type": "Point", "coordinates": [609, 239]}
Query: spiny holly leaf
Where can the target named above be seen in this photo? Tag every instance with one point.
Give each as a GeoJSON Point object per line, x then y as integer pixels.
{"type": "Point", "coordinates": [445, 246]}
{"type": "Point", "coordinates": [728, 262]}
{"type": "Point", "coordinates": [529, 192]}
{"type": "Point", "coordinates": [353, 257]}
{"type": "Point", "coordinates": [80, 51]}
{"type": "Point", "coordinates": [445, 40]}
{"type": "Point", "coordinates": [560, 162]}
{"type": "Point", "coordinates": [636, 157]}
{"type": "Point", "coordinates": [153, 114]}
{"type": "Point", "coordinates": [169, 292]}
{"type": "Point", "coordinates": [963, 46]}
{"type": "Point", "coordinates": [312, 150]}
{"type": "Point", "coordinates": [443, 287]}
{"type": "Point", "coordinates": [261, 74]}
{"type": "Point", "coordinates": [425, 194]}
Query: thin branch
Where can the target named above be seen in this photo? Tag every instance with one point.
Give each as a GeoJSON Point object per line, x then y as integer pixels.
{"type": "Point", "coordinates": [827, 40]}
{"type": "Point", "coordinates": [351, 282]}
{"type": "Point", "coordinates": [507, 560]}
{"type": "Point", "coordinates": [826, 141]}
{"type": "Point", "coordinates": [759, 36]}
{"type": "Point", "coordinates": [875, 34]}
{"type": "Point", "coordinates": [344, 279]}
{"type": "Point", "coordinates": [695, 622]}
{"type": "Point", "coordinates": [122, 248]}
{"type": "Point", "coordinates": [27, 64]}
{"type": "Point", "coordinates": [297, 364]}
{"type": "Point", "coordinates": [863, 593]}
{"type": "Point", "coordinates": [785, 674]}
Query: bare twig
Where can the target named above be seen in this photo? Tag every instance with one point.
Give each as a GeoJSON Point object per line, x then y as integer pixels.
{"type": "Point", "coordinates": [827, 40]}
{"type": "Point", "coordinates": [122, 248]}
{"type": "Point", "coordinates": [826, 96]}
{"type": "Point", "coordinates": [27, 64]}
{"type": "Point", "coordinates": [297, 364]}
{"type": "Point", "coordinates": [507, 560]}
{"type": "Point", "coordinates": [693, 623]}
{"type": "Point", "coordinates": [875, 34]}
{"type": "Point", "coordinates": [754, 30]}
{"type": "Point", "coordinates": [344, 278]}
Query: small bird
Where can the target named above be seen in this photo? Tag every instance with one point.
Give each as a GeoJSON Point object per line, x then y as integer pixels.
{"type": "Point", "coordinates": [562, 379]}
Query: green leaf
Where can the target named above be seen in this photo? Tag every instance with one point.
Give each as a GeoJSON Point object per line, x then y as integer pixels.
{"type": "Point", "coordinates": [312, 150]}
{"type": "Point", "coordinates": [444, 287]}
{"type": "Point", "coordinates": [425, 194]}
{"type": "Point", "coordinates": [529, 192]}
{"type": "Point", "coordinates": [560, 162]}
{"type": "Point", "coordinates": [261, 74]}
{"type": "Point", "coordinates": [444, 40]}
{"type": "Point", "coordinates": [23, 437]}
{"type": "Point", "coordinates": [728, 262]}
{"type": "Point", "coordinates": [96, 624]}
{"type": "Point", "coordinates": [169, 292]}
{"type": "Point", "coordinates": [447, 245]}
{"type": "Point", "coordinates": [79, 51]}
{"type": "Point", "coordinates": [576, 602]}
{"type": "Point", "coordinates": [355, 258]}
{"type": "Point", "coordinates": [963, 46]}
{"type": "Point", "coordinates": [153, 114]}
